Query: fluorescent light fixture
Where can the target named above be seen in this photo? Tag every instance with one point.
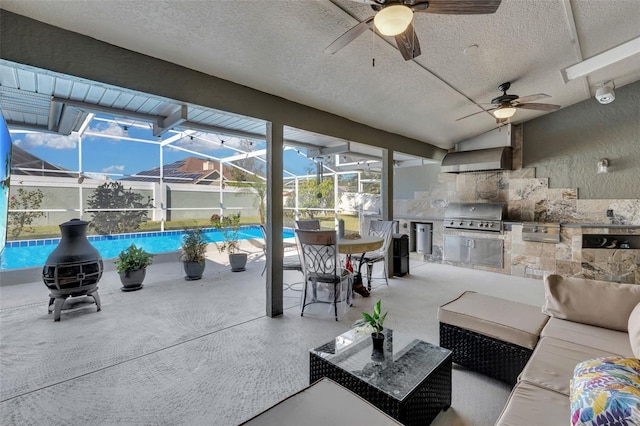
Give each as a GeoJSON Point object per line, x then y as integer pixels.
{"type": "Point", "coordinates": [601, 60]}
{"type": "Point", "coordinates": [393, 20]}
{"type": "Point", "coordinates": [506, 112]}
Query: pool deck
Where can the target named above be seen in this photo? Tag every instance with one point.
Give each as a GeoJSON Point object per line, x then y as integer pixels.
{"type": "Point", "coordinates": [204, 352]}
{"type": "Point", "coordinates": [253, 248]}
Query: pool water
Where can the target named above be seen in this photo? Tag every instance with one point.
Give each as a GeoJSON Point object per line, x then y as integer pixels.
{"type": "Point", "coordinates": [26, 254]}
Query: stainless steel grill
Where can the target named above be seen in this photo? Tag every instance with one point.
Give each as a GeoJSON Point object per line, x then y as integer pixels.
{"type": "Point", "coordinates": [482, 217]}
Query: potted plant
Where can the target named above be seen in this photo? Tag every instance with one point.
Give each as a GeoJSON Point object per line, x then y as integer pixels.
{"type": "Point", "coordinates": [374, 320]}
{"type": "Point", "coordinates": [192, 251]}
{"type": "Point", "coordinates": [132, 264]}
{"type": "Point", "coordinates": [229, 226]}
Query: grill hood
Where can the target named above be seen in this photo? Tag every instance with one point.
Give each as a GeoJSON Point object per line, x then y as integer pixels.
{"type": "Point", "coordinates": [477, 160]}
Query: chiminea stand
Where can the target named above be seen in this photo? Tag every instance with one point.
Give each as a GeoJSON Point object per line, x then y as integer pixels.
{"type": "Point", "coordinates": [57, 300]}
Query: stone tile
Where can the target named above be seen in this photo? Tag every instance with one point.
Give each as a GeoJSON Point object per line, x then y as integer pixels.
{"type": "Point", "coordinates": [533, 249]}
{"type": "Point", "coordinates": [568, 268]}
{"type": "Point", "coordinates": [561, 211]}
{"type": "Point", "coordinates": [557, 194]}
{"type": "Point", "coordinates": [548, 264]}
{"type": "Point", "coordinates": [540, 212]}
{"type": "Point", "coordinates": [626, 211]}
{"type": "Point", "coordinates": [486, 191]}
{"type": "Point", "coordinates": [549, 251]}
{"type": "Point", "coordinates": [527, 212]}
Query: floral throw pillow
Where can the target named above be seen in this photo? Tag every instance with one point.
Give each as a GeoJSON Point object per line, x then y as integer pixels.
{"type": "Point", "coordinates": [606, 392]}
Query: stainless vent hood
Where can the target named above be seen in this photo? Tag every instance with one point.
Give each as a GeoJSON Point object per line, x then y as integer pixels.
{"type": "Point", "coordinates": [477, 160]}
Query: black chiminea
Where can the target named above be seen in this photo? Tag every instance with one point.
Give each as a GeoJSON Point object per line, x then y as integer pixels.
{"type": "Point", "coordinates": [73, 268]}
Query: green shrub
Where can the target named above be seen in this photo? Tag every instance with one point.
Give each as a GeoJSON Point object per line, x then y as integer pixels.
{"type": "Point", "coordinates": [194, 246]}
{"type": "Point", "coordinates": [133, 258]}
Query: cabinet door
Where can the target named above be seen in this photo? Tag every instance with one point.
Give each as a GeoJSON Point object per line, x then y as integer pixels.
{"type": "Point", "coordinates": [456, 249]}
{"type": "Point", "coordinates": [487, 252]}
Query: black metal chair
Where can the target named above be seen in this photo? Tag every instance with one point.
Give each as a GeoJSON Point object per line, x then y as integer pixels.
{"type": "Point", "coordinates": [382, 229]}
{"type": "Point", "coordinates": [308, 224]}
{"type": "Point", "coordinates": [330, 283]}
{"type": "Point", "coordinates": [289, 263]}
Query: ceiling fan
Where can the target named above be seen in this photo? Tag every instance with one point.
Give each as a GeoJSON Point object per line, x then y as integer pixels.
{"type": "Point", "coordinates": [393, 18]}
{"type": "Point", "coordinates": [505, 105]}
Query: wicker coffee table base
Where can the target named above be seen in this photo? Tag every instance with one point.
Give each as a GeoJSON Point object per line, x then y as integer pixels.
{"type": "Point", "coordinates": [495, 358]}
{"type": "Point", "coordinates": [419, 408]}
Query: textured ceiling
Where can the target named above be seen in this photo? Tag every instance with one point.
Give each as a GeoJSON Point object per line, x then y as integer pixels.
{"type": "Point", "coordinates": [276, 46]}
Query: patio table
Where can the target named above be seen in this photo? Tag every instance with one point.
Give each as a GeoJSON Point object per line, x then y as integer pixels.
{"type": "Point", "coordinates": [409, 379]}
{"type": "Point", "coordinates": [359, 245]}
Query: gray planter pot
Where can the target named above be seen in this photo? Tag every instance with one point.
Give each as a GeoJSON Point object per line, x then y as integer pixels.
{"type": "Point", "coordinates": [238, 261]}
{"type": "Point", "coordinates": [193, 270]}
{"type": "Point", "coordinates": [132, 280]}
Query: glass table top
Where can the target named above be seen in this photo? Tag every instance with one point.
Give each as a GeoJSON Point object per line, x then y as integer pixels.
{"type": "Point", "coordinates": [399, 368]}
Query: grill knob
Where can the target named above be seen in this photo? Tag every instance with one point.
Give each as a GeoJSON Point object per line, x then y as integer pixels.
{"type": "Point", "coordinates": [491, 225]}
{"type": "Point", "coordinates": [460, 224]}
{"type": "Point", "coordinates": [470, 223]}
{"type": "Point", "coordinates": [451, 223]}
{"type": "Point", "coordinates": [480, 225]}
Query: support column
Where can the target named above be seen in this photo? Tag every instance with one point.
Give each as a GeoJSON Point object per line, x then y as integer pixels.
{"type": "Point", "coordinates": [386, 190]}
{"type": "Point", "coordinates": [275, 247]}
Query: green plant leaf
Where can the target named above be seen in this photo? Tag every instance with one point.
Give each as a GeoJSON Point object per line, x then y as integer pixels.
{"type": "Point", "coordinates": [376, 309]}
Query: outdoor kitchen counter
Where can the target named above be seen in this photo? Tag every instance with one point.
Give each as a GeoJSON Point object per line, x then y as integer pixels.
{"type": "Point", "coordinates": [581, 225]}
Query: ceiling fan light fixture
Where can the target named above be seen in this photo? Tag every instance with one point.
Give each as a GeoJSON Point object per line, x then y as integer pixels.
{"type": "Point", "coordinates": [393, 20]}
{"type": "Point", "coordinates": [505, 112]}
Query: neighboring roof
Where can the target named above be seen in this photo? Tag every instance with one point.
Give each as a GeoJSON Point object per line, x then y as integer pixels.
{"type": "Point", "coordinates": [192, 170]}
{"type": "Point", "coordinates": [24, 163]}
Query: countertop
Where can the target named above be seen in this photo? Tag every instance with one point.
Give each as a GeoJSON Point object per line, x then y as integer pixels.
{"type": "Point", "coordinates": [582, 225]}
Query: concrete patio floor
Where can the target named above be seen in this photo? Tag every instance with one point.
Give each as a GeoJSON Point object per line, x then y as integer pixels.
{"type": "Point", "coordinates": [203, 352]}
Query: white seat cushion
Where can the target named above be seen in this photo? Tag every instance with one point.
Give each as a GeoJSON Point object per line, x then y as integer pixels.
{"type": "Point", "coordinates": [605, 339]}
{"type": "Point", "coordinates": [501, 319]}
{"type": "Point", "coordinates": [553, 361]}
{"type": "Point", "coordinates": [323, 403]}
{"type": "Point", "coordinates": [529, 405]}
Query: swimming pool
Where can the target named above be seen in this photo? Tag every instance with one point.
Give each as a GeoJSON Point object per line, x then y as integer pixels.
{"type": "Point", "coordinates": [26, 254]}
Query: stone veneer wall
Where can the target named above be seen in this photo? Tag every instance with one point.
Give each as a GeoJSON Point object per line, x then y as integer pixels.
{"type": "Point", "coordinates": [529, 198]}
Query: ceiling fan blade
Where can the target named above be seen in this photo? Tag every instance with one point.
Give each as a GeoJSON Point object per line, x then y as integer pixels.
{"type": "Point", "coordinates": [350, 35]}
{"type": "Point", "coordinates": [408, 44]}
{"type": "Point", "coordinates": [457, 7]}
{"type": "Point", "coordinates": [531, 98]}
{"type": "Point", "coordinates": [479, 112]}
{"type": "Point", "coordinates": [538, 107]}
{"type": "Point", "coordinates": [374, 2]}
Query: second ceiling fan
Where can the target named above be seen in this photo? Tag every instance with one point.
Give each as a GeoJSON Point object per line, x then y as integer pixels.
{"type": "Point", "coordinates": [504, 106]}
{"type": "Point", "coordinates": [393, 18]}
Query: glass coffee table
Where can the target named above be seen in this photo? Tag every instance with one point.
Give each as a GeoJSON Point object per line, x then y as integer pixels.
{"type": "Point", "coordinates": [409, 379]}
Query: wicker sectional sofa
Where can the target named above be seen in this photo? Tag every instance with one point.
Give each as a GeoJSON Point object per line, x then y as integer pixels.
{"type": "Point", "coordinates": [538, 350]}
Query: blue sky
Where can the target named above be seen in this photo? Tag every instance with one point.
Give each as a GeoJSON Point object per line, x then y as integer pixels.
{"type": "Point", "coordinates": [104, 153]}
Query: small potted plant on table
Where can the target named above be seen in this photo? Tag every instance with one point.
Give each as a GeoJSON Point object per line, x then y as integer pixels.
{"type": "Point", "coordinates": [192, 253]}
{"type": "Point", "coordinates": [229, 226]}
{"type": "Point", "coordinates": [375, 320]}
{"type": "Point", "coordinates": [132, 264]}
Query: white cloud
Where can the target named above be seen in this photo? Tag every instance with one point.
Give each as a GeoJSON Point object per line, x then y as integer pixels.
{"type": "Point", "coordinates": [111, 128]}
{"type": "Point", "coordinates": [113, 168]}
{"type": "Point", "coordinates": [47, 140]}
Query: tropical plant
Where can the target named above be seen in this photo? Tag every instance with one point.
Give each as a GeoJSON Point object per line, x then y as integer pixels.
{"type": "Point", "coordinates": [121, 210]}
{"type": "Point", "coordinates": [133, 258]}
{"type": "Point", "coordinates": [28, 202]}
{"type": "Point", "coordinates": [375, 320]}
{"type": "Point", "coordinates": [313, 195]}
{"type": "Point", "coordinates": [194, 246]}
{"type": "Point", "coordinates": [229, 226]}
